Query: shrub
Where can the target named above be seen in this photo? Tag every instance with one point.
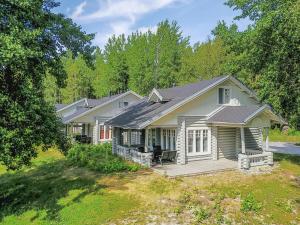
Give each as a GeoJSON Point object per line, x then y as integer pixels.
{"type": "Point", "coordinates": [201, 214]}
{"type": "Point", "coordinates": [250, 204]}
{"type": "Point", "coordinates": [99, 158]}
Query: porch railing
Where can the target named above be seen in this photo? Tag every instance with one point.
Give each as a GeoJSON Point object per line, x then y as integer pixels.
{"type": "Point", "coordinates": [128, 153]}
{"type": "Point", "coordinates": [254, 158]}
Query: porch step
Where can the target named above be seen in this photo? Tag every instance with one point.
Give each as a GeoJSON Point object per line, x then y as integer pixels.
{"type": "Point", "coordinates": [199, 157]}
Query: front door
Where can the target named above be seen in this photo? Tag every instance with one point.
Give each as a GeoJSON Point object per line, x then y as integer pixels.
{"type": "Point", "coordinates": [198, 141]}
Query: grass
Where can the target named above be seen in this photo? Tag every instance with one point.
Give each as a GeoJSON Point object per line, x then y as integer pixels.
{"type": "Point", "coordinates": [291, 136]}
{"type": "Point", "coordinates": [52, 191]}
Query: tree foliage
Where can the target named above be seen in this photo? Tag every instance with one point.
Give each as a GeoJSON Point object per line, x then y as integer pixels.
{"type": "Point", "coordinates": [267, 54]}
{"type": "Point", "coordinates": [32, 41]}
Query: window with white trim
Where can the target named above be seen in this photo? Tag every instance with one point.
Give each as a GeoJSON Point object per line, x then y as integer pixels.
{"type": "Point", "coordinates": [198, 141]}
{"type": "Point", "coordinates": [224, 95]}
{"type": "Point", "coordinates": [135, 137]}
{"type": "Point", "coordinates": [168, 141]}
{"type": "Point", "coordinates": [125, 138]}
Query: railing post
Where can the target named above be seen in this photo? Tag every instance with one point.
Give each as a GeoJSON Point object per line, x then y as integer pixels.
{"type": "Point", "coordinates": [267, 138]}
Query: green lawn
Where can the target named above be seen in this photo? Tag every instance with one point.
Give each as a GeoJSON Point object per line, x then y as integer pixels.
{"type": "Point", "coordinates": [277, 136]}
{"type": "Point", "coordinates": [54, 192]}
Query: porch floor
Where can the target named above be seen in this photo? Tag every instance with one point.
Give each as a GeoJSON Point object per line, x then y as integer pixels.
{"type": "Point", "coordinates": [196, 167]}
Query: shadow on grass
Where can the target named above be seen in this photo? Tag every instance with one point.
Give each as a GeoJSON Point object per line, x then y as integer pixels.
{"type": "Point", "coordinates": [292, 158]}
{"type": "Point", "coordinates": [40, 188]}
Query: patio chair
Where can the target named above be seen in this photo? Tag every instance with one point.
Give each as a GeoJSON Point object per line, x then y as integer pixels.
{"type": "Point", "coordinates": [156, 152]}
{"type": "Point", "coordinates": [167, 156]}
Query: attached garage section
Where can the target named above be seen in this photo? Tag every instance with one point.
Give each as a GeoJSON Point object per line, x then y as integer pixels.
{"type": "Point", "coordinates": [226, 142]}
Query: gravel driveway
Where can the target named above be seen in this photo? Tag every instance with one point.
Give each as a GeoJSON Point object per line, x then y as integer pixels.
{"type": "Point", "coordinates": [284, 147]}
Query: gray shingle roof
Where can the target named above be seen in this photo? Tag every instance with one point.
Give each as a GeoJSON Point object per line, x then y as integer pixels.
{"type": "Point", "coordinates": [59, 106]}
{"type": "Point", "coordinates": [100, 101]}
{"type": "Point", "coordinates": [144, 111]}
{"type": "Point", "coordinates": [141, 112]}
{"type": "Point", "coordinates": [76, 113]}
{"type": "Point", "coordinates": [187, 90]}
{"type": "Point", "coordinates": [91, 104]}
{"type": "Point", "coordinates": [233, 114]}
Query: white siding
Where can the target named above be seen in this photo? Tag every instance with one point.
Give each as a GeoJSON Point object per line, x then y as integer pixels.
{"type": "Point", "coordinates": [226, 142]}
{"type": "Point", "coordinates": [253, 138]}
{"type": "Point", "coordinates": [206, 104]}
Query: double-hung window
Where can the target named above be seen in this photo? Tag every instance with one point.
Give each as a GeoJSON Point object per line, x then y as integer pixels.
{"type": "Point", "coordinates": [198, 141]}
{"type": "Point", "coordinates": [224, 95]}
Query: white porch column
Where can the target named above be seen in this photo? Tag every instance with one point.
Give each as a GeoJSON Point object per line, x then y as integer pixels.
{"type": "Point", "coordinates": [267, 138]}
{"type": "Point", "coordinates": [183, 141]}
{"type": "Point", "coordinates": [243, 140]}
{"type": "Point", "coordinates": [104, 131]}
{"type": "Point", "coordinates": [114, 140]}
{"type": "Point", "coordinates": [146, 140]}
{"type": "Point", "coordinates": [96, 132]}
{"type": "Point", "coordinates": [129, 138]}
{"type": "Point", "coordinates": [161, 138]}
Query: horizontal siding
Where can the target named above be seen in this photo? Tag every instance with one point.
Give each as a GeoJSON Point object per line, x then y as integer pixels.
{"type": "Point", "coordinates": [226, 142]}
{"type": "Point", "coordinates": [195, 121]}
{"type": "Point", "coordinates": [253, 138]}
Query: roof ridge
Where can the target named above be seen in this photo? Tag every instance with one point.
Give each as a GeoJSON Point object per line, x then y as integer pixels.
{"type": "Point", "coordinates": [185, 85]}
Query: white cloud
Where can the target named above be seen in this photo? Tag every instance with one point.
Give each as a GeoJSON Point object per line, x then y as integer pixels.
{"type": "Point", "coordinates": [117, 29]}
{"type": "Point", "coordinates": [79, 10]}
{"type": "Point", "coordinates": [120, 15]}
{"type": "Point", "coordinates": [121, 8]}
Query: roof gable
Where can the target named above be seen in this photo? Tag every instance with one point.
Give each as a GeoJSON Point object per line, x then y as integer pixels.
{"type": "Point", "coordinates": [95, 104]}
{"type": "Point", "coordinates": [145, 114]}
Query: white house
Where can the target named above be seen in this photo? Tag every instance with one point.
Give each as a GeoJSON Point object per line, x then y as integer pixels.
{"type": "Point", "coordinates": [208, 120]}
{"type": "Point", "coordinates": [86, 117]}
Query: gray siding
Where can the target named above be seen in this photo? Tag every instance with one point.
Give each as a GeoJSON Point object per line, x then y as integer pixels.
{"type": "Point", "coordinates": [253, 138]}
{"type": "Point", "coordinates": [226, 142]}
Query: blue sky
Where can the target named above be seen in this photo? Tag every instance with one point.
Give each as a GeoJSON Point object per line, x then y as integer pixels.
{"type": "Point", "coordinates": [107, 17]}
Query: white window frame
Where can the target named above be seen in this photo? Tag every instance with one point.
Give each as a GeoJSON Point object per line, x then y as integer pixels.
{"type": "Point", "coordinates": [230, 95]}
{"type": "Point", "coordinates": [135, 137]}
{"type": "Point", "coordinates": [168, 138]}
{"type": "Point", "coordinates": [150, 137]}
{"type": "Point", "coordinates": [194, 129]}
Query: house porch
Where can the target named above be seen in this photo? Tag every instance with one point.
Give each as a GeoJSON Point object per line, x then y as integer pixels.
{"type": "Point", "coordinates": [196, 167]}
{"type": "Point", "coordinates": [200, 149]}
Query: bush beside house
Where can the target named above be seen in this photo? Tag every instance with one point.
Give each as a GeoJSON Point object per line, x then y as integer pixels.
{"type": "Point", "coordinates": [99, 158]}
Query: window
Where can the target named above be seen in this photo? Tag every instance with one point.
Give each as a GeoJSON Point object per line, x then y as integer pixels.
{"type": "Point", "coordinates": [123, 104]}
{"type": "Point", "coordinates": [190, 141]}
{"type": "Point", "coordinates": [107, 132]}
{"type": "Point", "coordinates": [135, 138]}
{"type": "Point", "coordinates": [205, 137]}
{"type": "Point", "coordinates": [164, 139]}
{"type": "Point", "coordinates": [168, 139]}
{"type": "Point", "coordinates": [153, 137]}
{"type": "Point", "coordinates": [224, 95]}
{"type": "Point", "coordinates": [173, 147]}
{"type": "Point", "coordinates": [198, 142]}
{"type": "Point", "coordinates": [125, 138]}
{"type": "Point", "coordinates": [101, 132]}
